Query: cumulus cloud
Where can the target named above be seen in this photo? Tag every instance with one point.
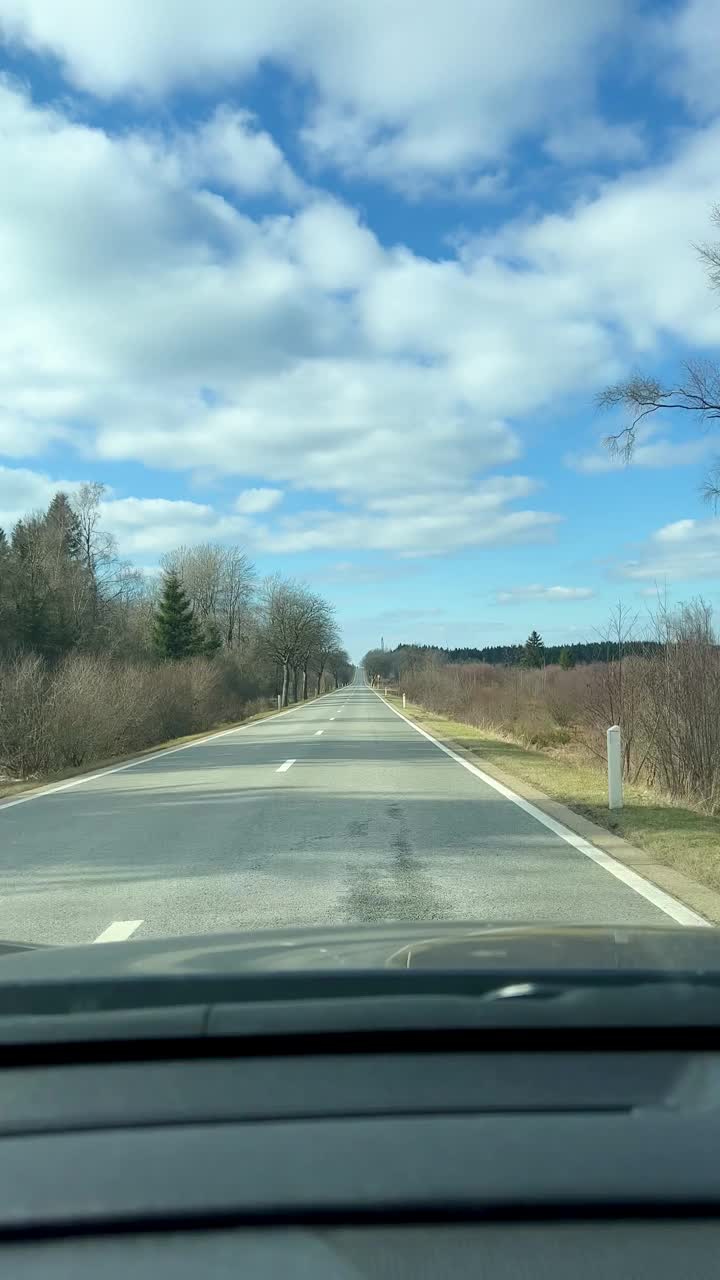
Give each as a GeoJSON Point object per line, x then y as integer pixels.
{"type": "Point", "coordinates": [149, 318]}
{"type": "Point", "coordinates": [148, 526]}
{"type": "Point", "coordinates": [689, 37]}
{"type": "Point", "coordinates": [230, 151]}
{"type": "Point", "coordinates": [23, 491]}
{"type": "Point", "coordinates": [399, 91]}
{"type": "Point", "coordinates": [420, 524]}
{"type": "Point", "coordinates": [686, 550]}
{"type": "Point", "coordinates": [407, 525]}
{"type": "Point", "coordinates": [254, 501]}
{"type": "Point", "coordinates": [553, 595]}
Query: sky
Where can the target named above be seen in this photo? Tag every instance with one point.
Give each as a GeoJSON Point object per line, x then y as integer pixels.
{"type": "Point", "coordinates": [339, 283]}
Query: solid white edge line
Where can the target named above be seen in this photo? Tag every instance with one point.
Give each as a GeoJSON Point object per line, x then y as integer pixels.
{"type": "Point", "coordinates": [118, 931]}
{"type": "Point", "coordinates": [157, 755]}
{"type": "Point", "coordinates": [658, 897]}
{"type": "Point", "coordinates": [284, 767]}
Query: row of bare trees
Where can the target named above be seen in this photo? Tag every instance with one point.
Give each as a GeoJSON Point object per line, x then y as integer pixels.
{"type": "Point", "coordinates": [280, 618]}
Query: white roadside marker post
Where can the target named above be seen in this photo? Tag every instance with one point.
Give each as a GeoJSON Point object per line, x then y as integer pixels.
{"type": "Point", "coordinates": [614, 761]}
{"type": "Point", "coordinates": [279, 701]}
{"type": "Point", "coordinates": [403, 702]}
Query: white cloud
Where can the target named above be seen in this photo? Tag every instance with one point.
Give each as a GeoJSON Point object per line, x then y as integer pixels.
{"type": "Point", "coordinates": [689, 37]}
{"type": "Point", "coordinates": [419, 524]}
{"type": "Point", "coordinates": [402, 90]}
{"type": "Point", "coordinates": [230, 151]}
{"type": "Point", "coordinates": [553, 595]}
{"type": "Point", "coordinates": [587, 139]}
{"type": "Point", "coordinates": [407, 525]}
{"type": "Point", "coordinates": [600, 261]}
{"type": "Point", "coordinates": [25, 435]}
{"type": "Point", "coordinates": [410, 98]}
{"type": "Point", "coordinates": [23, 491]}
{"type": "Point", "coordinates": [255, 501]}
{"type": "Point", "coordinates": [147, 319]}
{"type": "Point", "coordinates": [686, 550]}
{"type": "Point", "coordinates": [332, 247]}
{"type": "Point", "coordinates": [149, 526]}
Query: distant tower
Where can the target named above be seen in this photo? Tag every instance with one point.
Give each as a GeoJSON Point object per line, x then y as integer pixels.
{"type": "Point", "coordinates": [382, 644]}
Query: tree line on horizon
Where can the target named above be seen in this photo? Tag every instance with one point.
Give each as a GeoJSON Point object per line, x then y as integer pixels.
{"type": "Point", "coordinates": [391, 663]}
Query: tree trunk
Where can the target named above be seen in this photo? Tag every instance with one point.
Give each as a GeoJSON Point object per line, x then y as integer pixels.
{"type": "Point", "coordinates": [319, 683]}
{"type": "Point", "coordinates": [304, 684]}
{"type": "Point", "coordinates": [295, 684]}
{"type": "Point", "coordinates": [285, 684]}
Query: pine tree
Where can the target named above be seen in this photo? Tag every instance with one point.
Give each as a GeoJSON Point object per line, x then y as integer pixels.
{"type": "Point", "coordinates": [534, 650]}
{"type": "Point", "coordinates": [566, 660]}
{"type": "Point", "coordinates": [175, 634]}
{"type": "Point", "coordinates": [62, 521]}
{"type": "Point", "coordinates": [210, 641]}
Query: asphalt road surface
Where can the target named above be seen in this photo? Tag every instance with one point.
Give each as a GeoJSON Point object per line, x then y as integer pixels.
{"type": "Point", "coordinates": [337, 811]}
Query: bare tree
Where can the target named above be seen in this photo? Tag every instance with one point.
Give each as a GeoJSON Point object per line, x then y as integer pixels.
{"type": "Point", "coordinates": [219, 582]}
{"type": "Point", "coordinates": [283, 616]}
{"type": "Point", "coordinates": [319, 636]}
{"type": "Point", "coordinates": [238, 586]}
{"type": "Point", "coordinates": [614, 691]}
{"type": "Point", "coordinates": [340, 665]}
{"type": "Point", "coordinates": [328, 645]}
{"type": "Point", "coordinates": [292, 622]}
{"type": "Point", "coordinates": [696, 392]}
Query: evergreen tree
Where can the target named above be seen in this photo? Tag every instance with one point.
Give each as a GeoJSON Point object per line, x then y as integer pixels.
{"type": "Point", "coordinates": [534, 650]}
{"type": "Point", "coordinates": [210, 641]}
{"type": "Point", "coordinates": [7, 629]}
{"type": "Point", "coordinates": [39, 583]}
{"type": "Point", "coordinates": [175, 634]}
{"type": "Point", "coordinates": [566, 660]}
{"type": "Point", "coordinates": [62, 522]}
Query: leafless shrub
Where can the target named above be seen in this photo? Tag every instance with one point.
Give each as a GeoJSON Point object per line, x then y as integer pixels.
{"type": "Point", "coordinates": [89, 708]}
{"type": "Point", "coordinates": [23, 717]}
{"type": "Point", "coordinates": [681, 705]}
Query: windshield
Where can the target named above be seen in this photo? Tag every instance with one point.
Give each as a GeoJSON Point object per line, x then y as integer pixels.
{"type": "Point", "coordinates": [359, 378]}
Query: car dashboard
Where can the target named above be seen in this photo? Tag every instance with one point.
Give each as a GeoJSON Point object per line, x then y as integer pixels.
{"type": "Point", "coordinates": [366, 1151]}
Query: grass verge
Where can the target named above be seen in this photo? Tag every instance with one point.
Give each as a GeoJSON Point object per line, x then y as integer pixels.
{"type": "Point", "coordinates": [679, 837]}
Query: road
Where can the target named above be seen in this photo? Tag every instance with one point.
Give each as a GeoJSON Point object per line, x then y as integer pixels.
{"type": "Point", "coordinates": [336, 811]}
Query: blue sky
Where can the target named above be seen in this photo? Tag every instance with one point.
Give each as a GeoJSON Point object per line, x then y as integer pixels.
{"type": "Point", "coordinates": [339, 283]}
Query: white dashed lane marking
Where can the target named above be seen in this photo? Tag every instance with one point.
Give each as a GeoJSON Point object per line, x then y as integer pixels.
{"type": "Point", "coordinates": [118, 931]}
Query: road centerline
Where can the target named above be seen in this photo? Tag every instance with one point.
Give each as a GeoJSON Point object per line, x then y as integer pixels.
{"type": "Point", "coordinates": [287, 765]}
